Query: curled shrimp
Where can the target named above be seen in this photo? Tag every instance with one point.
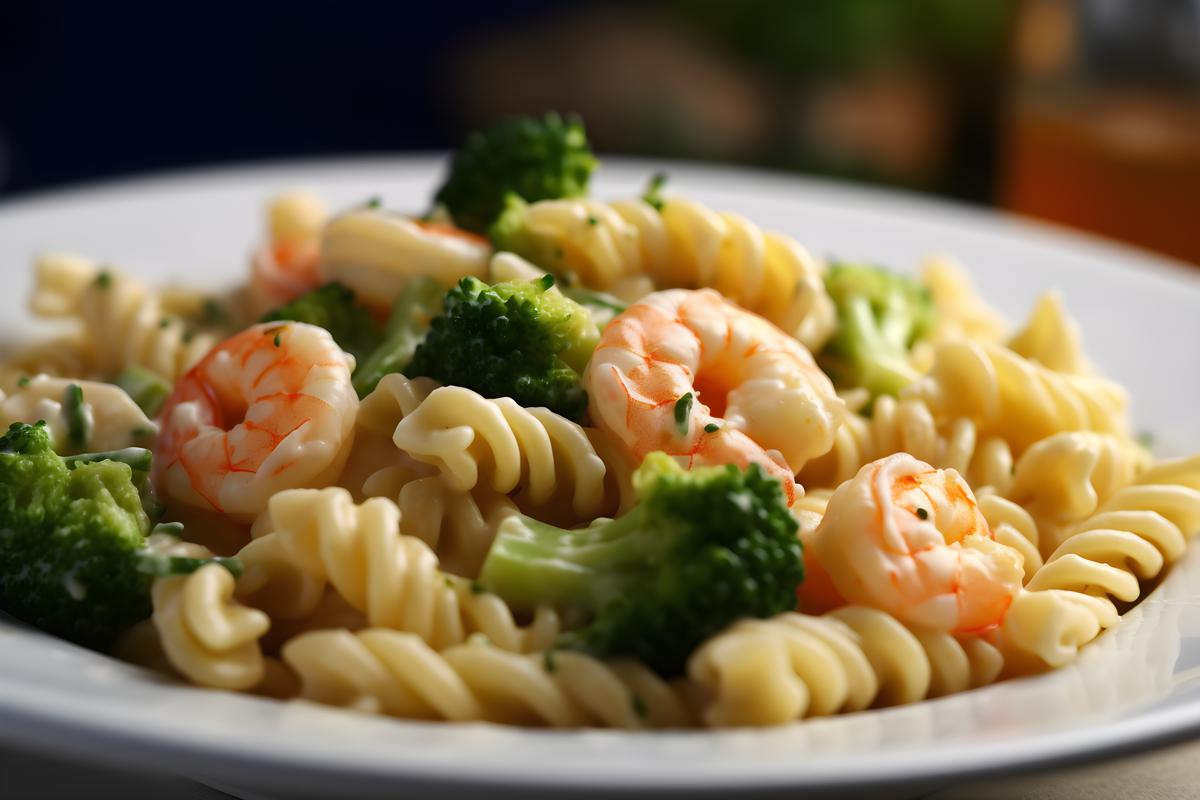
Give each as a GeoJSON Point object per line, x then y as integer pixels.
{"type": "Point", "coordinates": [286, 267]}
{"type": "Point", "coordinates": [909, 539]}
{"type": "Point", "coordinates": [690, 373]}
{"type": "Point", "coordinates": [268, 409]}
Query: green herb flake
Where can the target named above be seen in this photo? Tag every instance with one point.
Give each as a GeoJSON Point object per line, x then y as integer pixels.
{"type": "Point", "coordinates": [683, 412]}
{"type": "Point", "coordinates": [23, 382]}
{"type": "Point", "coordinates": [278, 339]}
{"type": "Point", "coordinates": [548, 662]}
{"type": "Point", "coordinates": [639, 706]}
{"type": "Point", "coordinates": [477, 588]}
{"type": "Point", "coordinates": [712, 427]}
{"type": "Point", "coordinates": [104, 279]}
{"type": "Point", "coordinates": [593, 221]}
{"type": "Point", "coordinates": [374, 201]}
{"type": "Point", "coordinates": [75, 416]}
{"type": "Point", "coordinates": [165, 322]}
{"type": "Point", "coordinates": [547, 281]}
{"type": "Point", "coordinates": [653, 193]}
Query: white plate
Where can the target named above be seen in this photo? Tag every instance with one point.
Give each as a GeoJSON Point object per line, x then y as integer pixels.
{"type": "Point", "coordinates": [1134, 687]}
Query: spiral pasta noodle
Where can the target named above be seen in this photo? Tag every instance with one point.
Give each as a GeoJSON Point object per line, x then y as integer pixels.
{"type": "Point", "coordinates": [123, 323]}
{"type": "Point", "coordinates": [321, 538]}
{"type": "Point", "coordinates": [908, 426]}
{"type": "Point", "coordinates": [532, 452]}
{"type": "Point", "coordinates": [687, 245]}
{"type": "Point", "coordinates": [1014, 398]}
{"type": "Point", "coordinates": [1065, 477]}
{"type": "Point", "coordinates": [205, 633]}
{"type": "Point", "coordinates": [1130, 538]}
{"type": "Point", "coordinates": [458, 526]}
{"type": "Point", "coordinates": [1051, 338]}
{"type": "Point", "coordinates": [793, 666]}
{"type": "Point", "coordinates": [399, 674]}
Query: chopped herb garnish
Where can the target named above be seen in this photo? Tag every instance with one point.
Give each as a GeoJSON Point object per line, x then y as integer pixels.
{"type": "Point", "coordinates": [375, 201]}
{"type": "Point", "coordinates": [76, 417]}
{"type": "Point", "coordinates": [278, 339]}
{"type": "Point", "coordinates": [683, 412]}
{"type": "Point", "coordinates": [653, 193]}
{"type": "Point", "coordinates": [712, 427]}
{"type": "Point", "coordinates": [477, 588]}
{"type": "Point", "coordinates": [23, 382]}
{"type": "Point", "coordinates": [104, 279]}
{"type": "Point", "coordinates": [593, 221]}
{"type": "Point", "coordinates": [547, 281]}
{"type": "Point", "coordinates": [164, 322]}
{"type": "Point", "coordinates": [548, 663]}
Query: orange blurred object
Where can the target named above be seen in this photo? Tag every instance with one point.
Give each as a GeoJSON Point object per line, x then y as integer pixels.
{"type": "Point", "coordinates": [1123, 164]}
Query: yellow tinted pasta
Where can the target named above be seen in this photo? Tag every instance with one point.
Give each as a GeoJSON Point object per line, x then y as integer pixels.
{"type": "Point", "coordinates": [399, 674]}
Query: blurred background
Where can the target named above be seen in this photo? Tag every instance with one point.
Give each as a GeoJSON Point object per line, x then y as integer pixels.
{"type": "Point", "coordinates": [1085, 113]}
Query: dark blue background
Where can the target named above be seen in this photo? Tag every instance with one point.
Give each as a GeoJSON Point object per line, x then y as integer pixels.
{"type": "Point", "coordinates": [92, 89]}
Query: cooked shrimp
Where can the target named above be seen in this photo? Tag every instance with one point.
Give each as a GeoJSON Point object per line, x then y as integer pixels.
{"type": "Point", "coordinates": [910, 540]}
{"type": "Point", "coordinates": [691, 374]}
{"type": "Point", "coordinates": [269, 409]}
{"type": "Point", "coordinates": [286, 267]}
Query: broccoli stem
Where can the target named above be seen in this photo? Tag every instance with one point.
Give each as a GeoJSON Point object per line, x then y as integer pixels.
{"type": "Point", "coordinates": [148, 389]}
{"type": "Point", "coordinates": [412, 311]}
{"type": "Point", "coordinates": [533, 563]}
{"type": "Point", "coordinates": [139, 459]}
{"type": "Point", "coordinates": [77, 417]}
{"type": "Point", "coordinates": [880, 351]}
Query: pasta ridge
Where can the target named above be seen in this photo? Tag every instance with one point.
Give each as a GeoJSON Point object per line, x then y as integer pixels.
{"type": "Point", "coordinates": [399, 674]}
{"type": "Point", "coordinates": [321, 538]}
{"type": "Point", "coordinates": [793, 666]}
{"type": "Point", "coordinates": [540, 456]}
{"type": "Point", "coordinates": [686, 245]}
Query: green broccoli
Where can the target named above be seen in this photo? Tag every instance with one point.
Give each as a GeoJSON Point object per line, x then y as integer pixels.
{"type": "Point", "coordinates": [516, 339]}
{"type": "Point", "coordinates": [411, 314]}
{"type": "Point", "coordinates": [333, 308]}
{"type": "Point", "coordinates": [880, 315]}
{"type": "Point", "coordinates": [146, 388]}
{"type": "Point", "coordinates": [700, 550]}
{"type": "Point", "coordinates": [535, 159]}
{"type": "Point", "coordinates": [73, 535]}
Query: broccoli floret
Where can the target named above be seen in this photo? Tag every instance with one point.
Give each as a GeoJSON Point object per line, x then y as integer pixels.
{"type": "Point", "coordinates": [880, 315]}
{"type": "Point", "coordinates": [73, 536]}
{"type": "Point", "coordinates": [414, 309]}
{"type": "Point", "coordinates": [700, 550]}
{"type": "Point", "coordinates": [515, 339]}
{"type": "Point", "coordinates": [535, 159]}
{"type": "Point", "coordinates": [333, 307]}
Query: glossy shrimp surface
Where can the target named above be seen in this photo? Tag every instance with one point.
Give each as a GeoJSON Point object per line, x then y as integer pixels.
{"type": "Point", "coordinates": [909, 539]}
{"type": "Point", "coordinates": [691, 374]}
{"type": "Point", "coordinates": [269, 409]}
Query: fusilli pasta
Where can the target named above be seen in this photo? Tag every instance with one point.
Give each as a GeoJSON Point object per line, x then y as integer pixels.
{"type": "Point", "coordinates": [537, 454]}
{"type": "Point", "coordinates": [390, 672]}
{"type": "Point", "coordinates": [687, 245]}
{"type": "Point", "coordinates": [208, 636]}
{"type": "Point", "coordinates": [123, 323]}
{"type": "Point", "coordinates": [1014, 398]}
{"type": "Point", "coordinates": [321, 538]}
{"type": "Point", "coordinates": [771, 672]}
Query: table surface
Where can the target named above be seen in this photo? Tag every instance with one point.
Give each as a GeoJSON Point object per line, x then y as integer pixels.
{"type": "Point", "coordinates": [1169, 774]}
